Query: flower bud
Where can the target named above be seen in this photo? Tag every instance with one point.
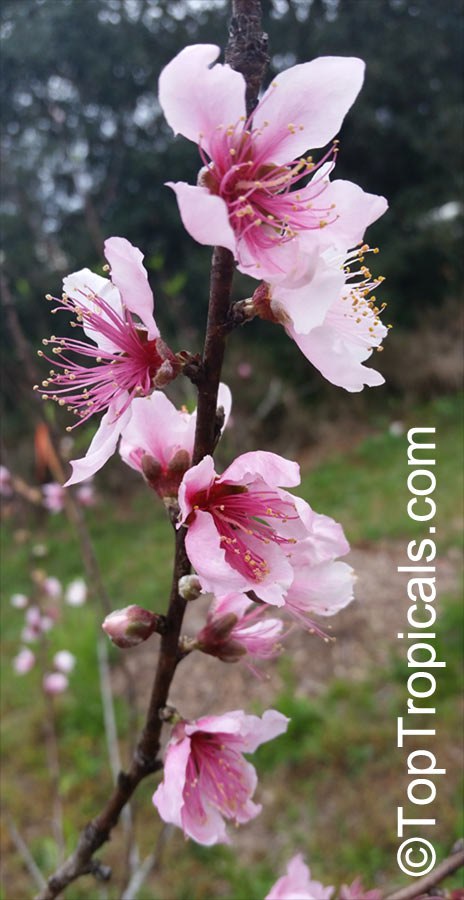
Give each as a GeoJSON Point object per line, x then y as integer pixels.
{"type": "Point", "coordinates": [64, 661]}
{"type": "Point", "coordinates": [24, 661]}
{"type": "Point", "coordinates": [131, 626]}
{"type": "Point", "coordinates": [189, 587]}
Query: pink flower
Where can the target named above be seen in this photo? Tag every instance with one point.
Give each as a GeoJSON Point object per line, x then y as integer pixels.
{"type": "Point", "coordinates": [298, 885]}
{"type": "Point", "coordinates": [6, 487]}
{"type": "Point", "coordinates": [51, 586]}
{"type": "Point", "coordinates": [206, 778]}
{"type": "Point", "coordinates": [232, 630]}
{"type": "Point", "coordinates": [356, 891]}
{"type": "Point", "coordinates": [251, 197]}
{"type": "Point", "coordinates": [24, 661]}
{"type": "Point", "coordinates": [159, 438]}
{"type": "Point", "coordinates": [36, 624]}
{"type": "Point", "coordinates": [76, 592]}
{"type": "Point", "coordinates": [55, 683]}
{"type": "Point", "coordinates": [64, 661]}
{"type": "Point", "coordinates": [329, 316]}
{"type": "Point", "coordinates": [85, 494]}
{"type": "Point", "coordinates": [242, 528]}
{"type": "Point", "coordinates": [53, 497]}
{"type": "Point", "coordinates": [128, 358]}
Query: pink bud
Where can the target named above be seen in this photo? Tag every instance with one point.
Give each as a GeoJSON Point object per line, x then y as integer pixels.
{"type": "Point", "coordinates": [24, 661]}
{"type": "Point", "coordinates": [131, 626]}
{"type": "Point", "coordinates": [55, 683]}
{"type": "Point", "coordinates": [64, 661]}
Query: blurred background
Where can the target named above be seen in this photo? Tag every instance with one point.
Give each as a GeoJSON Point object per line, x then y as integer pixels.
{"type": "Point", "coordinates": [85, 154]}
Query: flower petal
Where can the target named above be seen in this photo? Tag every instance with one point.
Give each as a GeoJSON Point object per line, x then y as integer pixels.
{"type": "Point", "coordinates": [168, 797]}
{"type": "Point", "coordinates": [207, 555]}
{"type": "Point", "coordinates": [198, 478]}
{"type": "Point", "coordinates": [130, 276]}
{"type": "Point", "coordinates": [355, 210]}
{"type": "Point", "coordinates": [156, 427]}
{"type": "Point", "coordinates": [337, 359]}
{"type": "Point", "coordinates": [78, 286]}
{"type": "Point", "coordinates": [275, 470]}
{"type": "Point", "coordinates": [204, 215]}
{"type": "Point", "coordinates": [307, 304]}
{"type": "Point", "coordinates": [195, 98]}
{"type": "Point", "coordinates": [256, 731]}
{"type": "Point", "coordinates": [305, 106]}
{"type": "Point", "coordinates": [104, 442]}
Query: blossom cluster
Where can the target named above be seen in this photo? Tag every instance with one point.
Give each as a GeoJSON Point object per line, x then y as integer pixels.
{"type": "Point", "coordinates": [264, 557]}
{"type": "Point", "coordinates": [40, 616]}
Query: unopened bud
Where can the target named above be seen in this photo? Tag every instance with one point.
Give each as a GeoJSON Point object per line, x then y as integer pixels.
{"type": "Point", "coordinates": [131, 626]}
{"type": "Point", "coordinates": [189, 587]}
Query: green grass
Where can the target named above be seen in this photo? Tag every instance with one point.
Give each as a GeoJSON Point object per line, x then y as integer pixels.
{"type": "Point", "coordinates": [330, 786]}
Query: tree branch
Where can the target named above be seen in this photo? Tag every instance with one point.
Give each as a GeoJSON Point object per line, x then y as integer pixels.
{"type": "Point", "coordinates": [449, 865]}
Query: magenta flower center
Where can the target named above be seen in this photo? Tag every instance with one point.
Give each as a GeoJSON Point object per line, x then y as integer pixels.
{"type": "Point", "coordinates": [131, 366]}
{"type": "Point", "coordinates": [258, 193]}
{"type": "Point", "coordinates": [247, 520]}
{"type": "Point", "coordinates": [215, 772]}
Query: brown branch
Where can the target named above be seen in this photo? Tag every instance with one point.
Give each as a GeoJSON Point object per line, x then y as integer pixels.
{"type": "Point", "coordinates": [449, 865]}
{"type": "Point", "coordinates": [244, 53]}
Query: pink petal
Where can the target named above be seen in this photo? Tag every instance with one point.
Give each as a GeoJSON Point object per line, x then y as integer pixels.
{"type": "Point", "coordinates": [355, 209]}
{"type": "Point", "coordinates": [326, 539]}
{"type": "Point", "coordinates": [336, 358]}
{"type": "Point", "coordinates": [273, 469]}
{"type": "Point", "coordinates": [323, 589]}
{"type": "Point", "coordinates": [256, 731]}
{"type": "Point", "coordinates": [78, 286]}
{"type": "Point", "coordinates": [231, 722]}
{"type": "Point", "coordinates": [168, 797]}
{"type": "Point", "coordinates": [224, 400]}
{"type": "Point", "coordinates": [308, 304]}
{"type": "Point", "coordinates": [206, 553]}
{"type": "Point", "coordinates": [316, 95]}
{"type": "Point", "coordinates": [103, 444]}
{"type": "Point", "coordinates": [204, 215]}
{"type": "Point", "coordinates": [197, 99]}
{"type": "Point", "coordinates": [198, 478]}
{"type": "Point", "coordinates": [130, 276]}
{"type": "Point", "coordinates": [156, 427]}
{"type": "Point", "coordinates": [230, 603]}
{"type": "Point", "coordinates": [208, 831]}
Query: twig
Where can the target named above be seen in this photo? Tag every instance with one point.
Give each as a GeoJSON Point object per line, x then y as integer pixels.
{"type": "Point", "coordinates": [145, 761]}
{"type": "Point", "coordinates": [26, 855]}
{"type": "Point", "coordinates": [149, 864]}
{"type": "Point", "coordinates": [449, 865]}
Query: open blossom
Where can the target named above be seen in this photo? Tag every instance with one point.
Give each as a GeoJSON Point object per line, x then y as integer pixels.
{"type": "Point", "coordinates": [125, 354]}
{"type": "Point", "coordinates": [159, 438]}
{"type": "Point", "coordinates": [53, 496]}
{"type": "Point", "coordinates": [85, 494]}
{"type": "Point", "coordinates": [242, 527]}
{"type": "Point", "coordinates": [24, 661]}
{"type": "Point", "coordinates": [297, 884]}
{"type": "Point", "coordinates": [233, 630]}
{"type": "Point", "coordinates": [206, 779]}
{"type": "Point", "coordinates": [52, 587]}
{"type": "Point", "coordinates": [330, 316]}
{"type": "Point", "coordinates": [253, 195]}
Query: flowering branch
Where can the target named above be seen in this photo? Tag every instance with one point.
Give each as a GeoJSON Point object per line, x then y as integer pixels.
{"type": "Point", "coordinates": [246, 34]}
